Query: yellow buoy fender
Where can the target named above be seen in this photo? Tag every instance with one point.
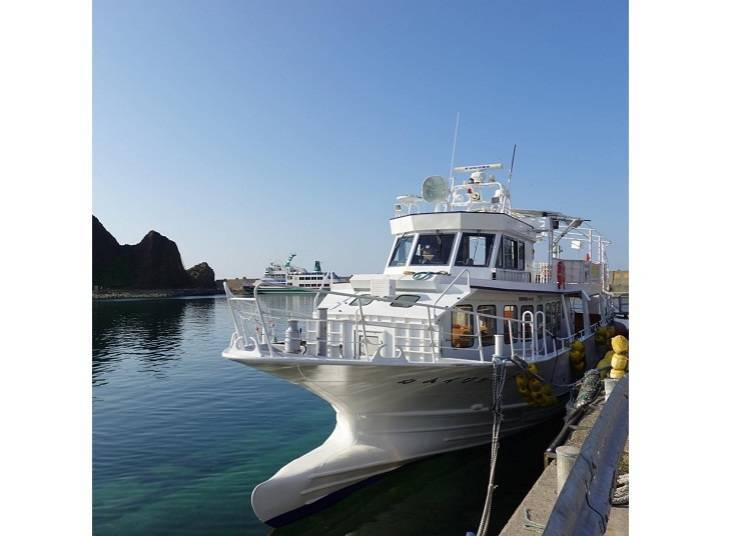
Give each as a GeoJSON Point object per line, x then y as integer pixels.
{"type": "Point", "coordinates": [578, 367]}
{"type": "Point", "coordinates": [616, 374]}
{"type": "Point", "coordinates": [611, 331]}
{"type": "Point", "coordinates": [606, 361]}
{"type": "Point", "coordinates": [620, 344]}
{"type": "Point", "coordinates": [534, 368]}
{"type": "Point", "coordinates": [575, 356]}
{"type": "Point", "coordinates": [577, 345]}
{"type": "Point", "coordinates": [522, 382]}
{"type": "Point", "coordinates": [619, 361]}
{"type": "Point", "coordinates": [535, 385]}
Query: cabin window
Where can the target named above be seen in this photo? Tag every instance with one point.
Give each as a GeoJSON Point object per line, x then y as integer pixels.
{"type": "Point", "coordinates": [462, 327]}
{"type": "Point", "coordinates": [364, 300]}
{"type": "Point", "coordinates": [552, 317]}
{"type": "Point", "coordinates": [433, 249]}
{"type": "Point", "coordinates": [487, 325]}
{"type": "Point", "coordinates": [510, 311]}
{"type": "Point", "coordinates": [512, 254]}
{"type": "Point", "coordinates": [475, 249]}
{"type": "Point", "coordinates": [405, 300]}
{"type": "Point", "coordinates": [401, 251]}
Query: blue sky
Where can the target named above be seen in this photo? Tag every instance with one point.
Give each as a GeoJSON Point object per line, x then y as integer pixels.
{"type": "Point", "coordinates": [245, 130]}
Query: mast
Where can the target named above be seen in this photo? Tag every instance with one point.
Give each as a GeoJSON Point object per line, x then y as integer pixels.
{"type": "Point", "coordinates": [453, 157]}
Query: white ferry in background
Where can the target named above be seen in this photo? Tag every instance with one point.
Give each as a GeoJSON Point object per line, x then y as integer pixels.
{"type": "Point", "coordinates": [472, 290]}
{"type": "Point", "coordinates": [288, 279]}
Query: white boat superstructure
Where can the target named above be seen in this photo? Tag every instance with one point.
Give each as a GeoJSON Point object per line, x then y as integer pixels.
{"type": "Point", "coordinates": [405, 356]}
{"type": "Point", "coordinates": [280, 278]}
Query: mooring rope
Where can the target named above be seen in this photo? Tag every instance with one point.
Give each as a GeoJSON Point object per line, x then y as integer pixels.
{"type": "Point", "coordinates": [498, 383]}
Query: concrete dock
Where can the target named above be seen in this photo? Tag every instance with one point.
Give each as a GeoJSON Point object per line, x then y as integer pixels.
{"type": "Point", "coordinates": [540, 500]}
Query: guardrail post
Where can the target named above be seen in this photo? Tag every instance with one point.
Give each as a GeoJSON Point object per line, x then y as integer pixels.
{"type": "Point", "coordinates": [322, 332]}
{"type": "Point", "coordinates": [565, 456]}
{"type": "Point", "coordinates": [291, 338]}
{"type": "Point", "coordinates": [478, 336]}
{"type": "Point", "coordinates": [498, 346]}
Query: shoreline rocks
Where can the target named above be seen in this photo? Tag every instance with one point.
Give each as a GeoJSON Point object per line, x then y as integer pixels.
{"type": "Point", "coordinates": [154, 264]}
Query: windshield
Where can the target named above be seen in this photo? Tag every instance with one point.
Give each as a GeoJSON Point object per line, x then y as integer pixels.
{"type": "Point", "coordinates": [433, 249]}
{"type": "Point", "coordinates": [475, 249]}
{"type": "Point", "coordinates": [401, 251]}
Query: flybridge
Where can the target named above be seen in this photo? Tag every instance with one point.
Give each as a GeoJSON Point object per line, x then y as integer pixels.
{"type": "Point", "coordinates": [480, 192]}
{"type": "Point", "coordinates": [479, 209]}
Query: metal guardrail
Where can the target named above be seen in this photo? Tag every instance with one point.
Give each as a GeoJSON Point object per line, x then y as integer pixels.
{"type": "Point", "coordinates": [257, 324]}
{"type": "Point", "coordinates": [584, 503]}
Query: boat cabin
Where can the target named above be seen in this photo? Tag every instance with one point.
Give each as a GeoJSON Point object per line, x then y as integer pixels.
{"type": "Point", "coordinates": [487, 245]}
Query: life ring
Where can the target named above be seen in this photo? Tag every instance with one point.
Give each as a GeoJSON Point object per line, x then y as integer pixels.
{"type": "Point", "coordinates": [560, 274]}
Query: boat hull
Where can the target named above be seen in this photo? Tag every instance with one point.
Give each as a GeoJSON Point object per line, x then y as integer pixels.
{"type": "Point", "coordinates": [388, 414]}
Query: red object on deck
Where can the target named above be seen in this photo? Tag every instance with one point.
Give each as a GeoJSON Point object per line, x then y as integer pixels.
{"type": "Point", "coordinates": [560, 274]}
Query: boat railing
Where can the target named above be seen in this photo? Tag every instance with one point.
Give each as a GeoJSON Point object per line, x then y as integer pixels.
{"type": "Point", "coordinates": [581, 333]}
{"type": "Point", "coordinates": [465, 272]}
{"type": "Point", "coordinates": [533, 339]}
{"type": "Point", "coordinates": [313, 332]}
{"type": "Point", "coordinates": [542, 272]}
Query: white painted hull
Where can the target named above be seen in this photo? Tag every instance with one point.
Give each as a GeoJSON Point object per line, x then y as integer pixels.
{"type": "Point", "coordinates": [388, 414]}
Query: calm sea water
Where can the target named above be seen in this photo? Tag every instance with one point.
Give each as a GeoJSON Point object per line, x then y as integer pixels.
{"type": "Point", "coordinates": [182, 435]}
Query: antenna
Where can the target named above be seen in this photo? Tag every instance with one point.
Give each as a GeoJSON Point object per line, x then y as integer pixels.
{"type": "Point", "coordinates": [453, 152]}
{"type": "Point", "coordinates": [512, 162]}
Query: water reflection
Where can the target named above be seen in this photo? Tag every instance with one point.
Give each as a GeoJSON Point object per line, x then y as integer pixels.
{"type": "Point", "coordinates": [150, 331]}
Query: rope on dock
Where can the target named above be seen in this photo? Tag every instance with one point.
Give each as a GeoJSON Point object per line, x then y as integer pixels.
{"type": "Point", "coordinates": [528, 524]}
{"type": "Point", "coordinates": [498, 383]}
{"type": "Point", "coordinates": [622, 491]}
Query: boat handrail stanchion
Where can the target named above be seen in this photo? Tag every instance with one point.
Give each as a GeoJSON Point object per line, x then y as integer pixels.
{"type": "Point", "coordinates": [322, 332]}
{"type": "Point", "coordinates": [430, 328]}
{"type": "Point", "coordinates": [498, 347]}
{"type": "Point", "coordinates": [263, 326]}
{"type": "Point", "coordinates": [320, 289]}
{"type": "Point", "coordinates": [544, 329]}
{"type": "Point", "coordinates": [364, 327]}
{"type": "Point", "coordinates": [468, 282]}
{"type": "Point", "coordinates": [477, 336]}
{"type": "Point", "coordinates": [566, 316]}
{"type": "Point", "coordinates": [237, 330]}
{"type": "Point", "coordinates": [510, 336]}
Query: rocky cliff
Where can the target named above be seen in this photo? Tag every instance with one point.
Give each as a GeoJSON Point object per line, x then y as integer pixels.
{"type": "Point", "coordinates": [202, 276]}
{"type": "Point", "coordinates": [152, 263]}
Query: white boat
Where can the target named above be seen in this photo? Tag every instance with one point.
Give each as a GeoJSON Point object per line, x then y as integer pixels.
{"type": "Point", "coordinates": [286, 279]}
{"type": "Point", "coordinates": [405, 356]}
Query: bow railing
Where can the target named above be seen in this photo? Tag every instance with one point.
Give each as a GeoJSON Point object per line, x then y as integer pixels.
{"type": "Point", "coordinates": [274, 331]}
